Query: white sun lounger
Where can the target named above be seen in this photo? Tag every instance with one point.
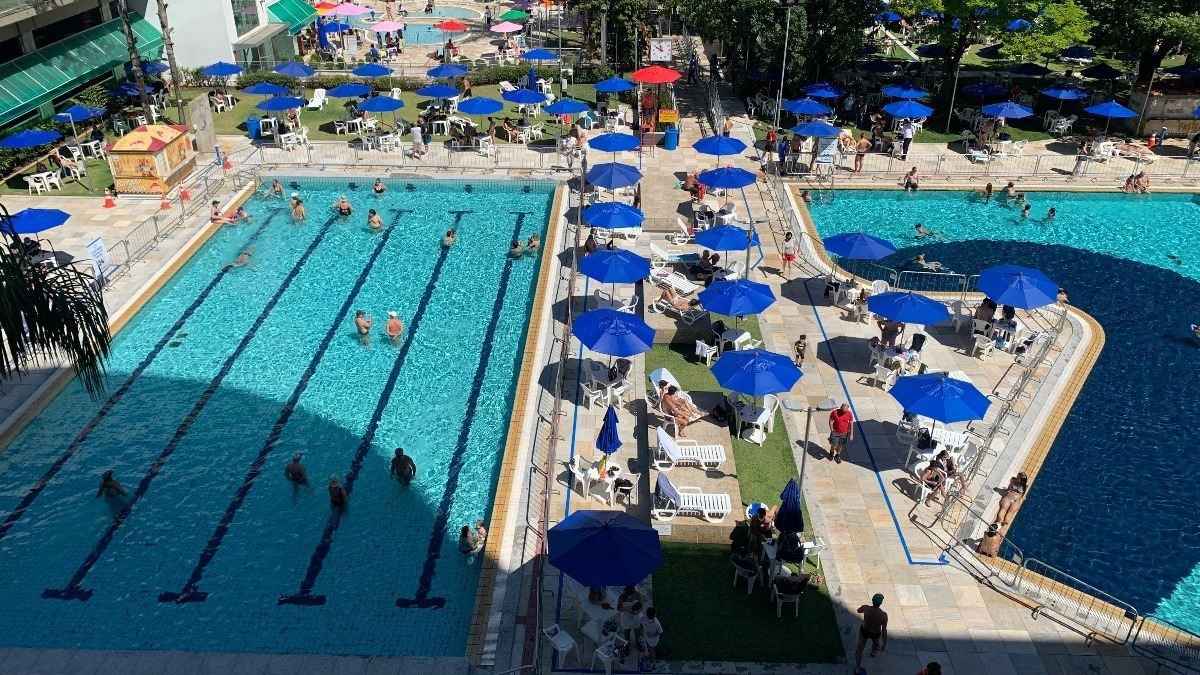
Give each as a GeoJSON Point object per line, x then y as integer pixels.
{"type": "Point", "coordinates": [660, 257]}
{"type": "Point", "coordinates": [675, 452]}
{"type": "Point", "coordinates": [670, 502]}
{"type": "Point", "coordinates": [666, 278]}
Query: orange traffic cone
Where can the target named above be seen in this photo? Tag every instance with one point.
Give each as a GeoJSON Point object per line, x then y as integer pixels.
{"type": "Point", "coordinates": [165, 205]}
{"type": "Point", "coordinates": [109, 200]}
{"type": "Point", "coordinates": [184, 196]}
{"type": "Point", "coordinates": [227, 165]}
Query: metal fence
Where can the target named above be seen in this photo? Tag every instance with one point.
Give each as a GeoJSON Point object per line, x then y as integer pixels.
{"type": "Point", "coordinates": [319, 155]}
{"type": "Point", "coordinates": [1168, 644]}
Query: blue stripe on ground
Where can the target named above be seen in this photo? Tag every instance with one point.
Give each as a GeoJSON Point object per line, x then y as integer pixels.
{"type": "Point", "coordinates": [112, 401]}
{"type": "Point", "coordinates": [190, 591]}
{"type": "Point", "coordinates": [305, 596]}
{"type": "Point", "coordinates": [434, 550]}
{"type": "Point", "coordinates": [73, 590]}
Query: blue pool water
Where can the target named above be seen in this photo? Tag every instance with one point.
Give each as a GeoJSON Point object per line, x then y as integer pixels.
{"type": "Point", "coordinates": [221, 370]}
{"type": "Point", "coordinates": [1114, 502]}
{"type": "Point", "coordinates": [420, 33]}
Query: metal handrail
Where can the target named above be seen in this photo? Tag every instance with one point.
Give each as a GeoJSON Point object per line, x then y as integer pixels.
{"type": "Point", "coordinates": [1167, 643]}
{"type": "Point", "coordinates": [1076, 601]}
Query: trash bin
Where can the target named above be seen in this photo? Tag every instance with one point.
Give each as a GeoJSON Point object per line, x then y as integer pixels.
{"type": "Point", "coordinates": [671, 138]}
{"type": "Point", "coordinates": [253, 130]}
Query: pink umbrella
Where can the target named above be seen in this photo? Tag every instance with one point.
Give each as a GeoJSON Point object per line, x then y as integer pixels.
{"type": "Point", "coordinates": [506, 27]}
{"type": "Point", "coordinates": [387, 26]}
{"type": "Point", "coordinates": [350, 9]}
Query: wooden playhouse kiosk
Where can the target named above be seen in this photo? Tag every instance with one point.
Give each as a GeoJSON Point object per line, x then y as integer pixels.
{"type": "Point", "coordinates": [151, 159]}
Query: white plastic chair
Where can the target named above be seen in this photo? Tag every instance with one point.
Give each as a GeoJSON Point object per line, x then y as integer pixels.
{"type": "Point", "coordinates": [880, 286]}
{"type": "Point", "coordinates": [884, 377]}
{"type": "Point", "coordinates": [340, 127]}
{"type": "Point", "coordinates": [607, 653]}
{"type": "Point", "coordinates": [630, 491]}
{"type": "Point", "coordinates": [52, 180]}
{"type": "Point", "coordinates": [983, 346]}
{"type": "Point", "coordinates": [751, 577]}
{"type": "Point", "coordinates": [592, 394]}
{"type": "Point", "coordinates": [959, 315]}
{"type": "Point", "coordinates": [685, 233]}
{"type": "Point", "coordinates": [782, 598]}
{"type": "Point", "coordinates": [34, 183]}
{"type": "Point", "coordinates": [562, 641]}
{"type": "Point", "coordinates": [579, 474]}
{"type": "Point", "coordinates": [705, 351]}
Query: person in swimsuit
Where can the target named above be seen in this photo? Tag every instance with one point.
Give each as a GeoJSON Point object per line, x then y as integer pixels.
{"type": "Point", "coordinates": [276, 187]}
{"type": "Point", "coordinates": [873, 628]}
{"type": "Point", "coordinates": [214, 214]}
{"type": "Point", "coordinates": [394, 327]}
{"type": "Point", "coordinates": [243, 259]}
{"type": "Point", "coordinates": [911, 181]}
{"type": "Point", "coordinates": [934, 478]}
{"type": "Point", "coordinates": [403, 468]}
{"type": "Point", "coordinates": [109, 486]}
{"type": "Point", "coordinates": [789, 254]}
{"type": "Point", "coordinates": [374, 221]}
{"type": "Point", "coordinates": [860, 151]}
{"type": "Point", "coordinates": [922, 232]}
{"type": "Point", "coordinates": [1010, 503]}
{"type": "Point", "coordinates": [342, 206]}
{"type": "Point", "coordinates": [379, 187]}
{"type": "Point", "coordinates": [987, 192]}
{"type": "Point", "coordinates": [338, 498]}
{"type": "Point", "coordinates": [1025, 211]}
{"type": "Point", "coordinates": [1050, 214]}
{"type": "Point", "coordinates": [295, 472]}
{"type": "Point", "coordinates": [450, 237]}
{"type": "Point", "coordinates": [468, 543]}
{"type": "Point", "coordinates": [363, 323]}
{"type": "Point", "coordinates": [533, 244]}
{"type": "Point", "coordinates": [516, 250]}
{"type": "Point", "coordinates": [1010, 191]}
{"type": "Point", "coordinates": [683, 411]}
{"type": "Point", "coordinates": [670, 297]}
{"type": "Point", "coordinates": [298, 212]}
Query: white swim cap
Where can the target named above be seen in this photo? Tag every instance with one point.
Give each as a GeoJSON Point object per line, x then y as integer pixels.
{"type": "Point", "coordinates": [295, 194]}
{"type": "Point", "coordinates": [392, 313]}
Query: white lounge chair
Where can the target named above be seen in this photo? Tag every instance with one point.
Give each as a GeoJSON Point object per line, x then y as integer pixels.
{"type": "Point", "coordinates": [505, 85]}
{"type": "Point", "coordinates": [674, 280]}
{"type": "Point", "coordinates": [671, 453]}
{"type": "Point", "coordinates": [318, 100]}
{"type": "Point", "coordinates": [670, 502]}
{"type": "Point", "coordinates": [685, 233]}
{"type": "Point", "coordinates": [689, 316]}
{"type": "Point", "coordinates": [734, 272]}
{"type": "Point", "coordinates": [660, 257]}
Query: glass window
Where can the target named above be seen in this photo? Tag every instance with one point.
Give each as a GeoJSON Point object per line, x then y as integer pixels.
{"type": "Point", "coordinates": [47, 35]}
{"type": "Point", "coordinates": [10, 49]}
{"type": "Point", "coordinates": [245, 16]}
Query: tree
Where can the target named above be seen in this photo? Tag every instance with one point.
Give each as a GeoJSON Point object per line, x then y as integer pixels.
{"type": "Point", "coordinates": [169, 48]}
{"type": "Point", "coordinates": [1148, 29]}
{"type": "Point", "coordinates": [49, 312]}
{"type": "Point", "coordinates": [135, 60]}
{"type": "Point", "coordinates": [624, 24]}
{"type": "Point", "coordinates": [1053, 28]}
{"type": "Point", "coordinates": [836, 34]}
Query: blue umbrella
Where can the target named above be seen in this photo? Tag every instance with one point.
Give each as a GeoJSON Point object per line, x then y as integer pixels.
{"type": "Point", "coordinates": [1101, 71]}
{"type": "Point", "coordinates": [294, 69]}
{"type": "Point", "coordinates": [806, 106]}
{"type": "Point", "coordinates": [276, 103]}
{"type": "Point", "coordinates": [932, 51]}
{"type": "Point", "coordinates": [265, 89]}
{"type": "Point", "coordinates": [910, 109]}
{"type": "Point", "coordinates": [524, 96]}
{"type": "Point", "coordinates": [221, 69]}
{"type": "Point", "coordinates": [381, 104]}
{"type": "Point", "coordinates": [1196, 112]}
{"type": "Point", "coordinates": [604, 548]}
{"type": "Point", "coordinates": [818, 129]}
{"type": "Point", "coordinates": [728, 177]}
{"type": "Point", "coordinates": [446, 70]}
{"type": "Point", "coordinates": [614, 142]}
{"type": "Point", "coordinates": [617, 266]}
{"type": "Point", "coordinates": [129, 89]}
{"type": "Point", "coordinates": [437, 91]}
{"type": "Point", "coordinates": [30, 138]}
{"type": "Point", "coordinates": [613, 333]}
{"type": "Point", "coordinates": [1030, 69]}
{"type": "Point", "coordinates": [79, 113]}
{"type": "Point", "coordinates": [612, 215]}
{"type": "Point", "coordinates": [1019, 25]}
{"type": "Point", "coordinates": [984, 90]}
{"type": "Point", "coordinates": [755, 372]}
{"type": "Point", "coordinates": [719, 145]}
{"type": "Point", "coordinates": [539, 55]}
{"type": "Point", "coordinates": [858, 246]}
{"type": "Point", "coordinates": [908, 307]}
{"type": "Point", "coordinates": [565, 106]}
{"type": "Point", "coordinates": [1007, 110]}
{"type": "Point", "coordinates": [940, 397]}
{"type": "Point", "coordinates": [611, 175]}
{"type": "Point", "coordinates": [822, 90]}
{"type": "Point", "coordinates": [31, 221]}
{"type": "Point", "coordinates": [887, 17]}
{"type": "Point", "coordinates": [1077, 52]}
{"type": "Point", "coordinates": [480, 105]}
{"type": "Point", "coordinates": [607, 441]}
{"type": "Point", "coordinates": [1111, 109]}
{"type": "Point", "coordinates": [1065, 93]}
{"type": "Point", "coordinates": [1022, 287]}
{"type": "Point", "coordinates": [349, 90]}
{"type": "Point", "coordinates": [790, 516]}
{"type": "Point", "coordinates": [614, 85]}
{"type": "Point", "coordinates": [904, 91]}
{"type": "Point", "coordinates": [727, 238]}
{"type": "Point", "coordinates": [150, 67]}
{"type": "Point", "coordinates": [372, 70]}
{"type": "Point", "coordinates": [737, 298]}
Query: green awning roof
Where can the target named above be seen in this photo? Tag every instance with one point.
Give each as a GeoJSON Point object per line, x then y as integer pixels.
{"type": "Point", "coordinates": [50, 72]}
{"type": "Point", "coordinates": [295, 13]}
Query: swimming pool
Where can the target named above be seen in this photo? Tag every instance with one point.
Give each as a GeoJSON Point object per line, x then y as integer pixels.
{"type": "Point", "coordinates": [223, 376]}
{"type": "Point", "coordinates": [419, 33]}
{"type": "Point", "coordinates": [1113, 502]}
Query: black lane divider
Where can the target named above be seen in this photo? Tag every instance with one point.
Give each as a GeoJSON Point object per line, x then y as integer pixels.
{"type": "Point", "coordinates": [305, 596]}
{"type": "Point", "coordinates": [112, 401]}
{"type": "Point", "coordinates": [190, 592]}
{"type": "Point", "coordinates": [73, 590]}
{"type": "Point", "coordinates": [434, 551]}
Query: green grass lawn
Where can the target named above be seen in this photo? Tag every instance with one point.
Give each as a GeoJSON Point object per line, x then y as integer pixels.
{"type": "Point", "coordinates": [980, 57]}
{"type": "Point", "coordinates": [705, 618]}
{"type": "Point", "coordinates": [98, 177]}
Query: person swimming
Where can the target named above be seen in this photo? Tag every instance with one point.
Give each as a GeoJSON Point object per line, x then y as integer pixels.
{"type": "Point", "coordinates": [374, 221]}
{"type": "Point", "coordinates": [379, 187]}
{"type": "Point", "coordinates": [276, 187]}
{"type": "Point", "coordinates": [342, 206]}
{"type": "Point", "coordinates": [109, 486]}
{"type": "Point", "coordinates": [922, 232]}
{"type": "Point", "coordinates": [1051, 213]}
{"type": "Point", "coordinates": [516, 250]}
{"type": "Point", "coordinates": [243, 259]}
{"type": "Point", "coordinates": [338, 497]}
{"type": "Point", "coordinates": [295, 471]}
{"type": "Point", "coordinates": [535, 241]}
{"type": "Point", "coordinates": [403, 468]}
{"type": "Point", "coordinates": [1025, 211]}
{"type": "Point", "coordinates": [450, 238]}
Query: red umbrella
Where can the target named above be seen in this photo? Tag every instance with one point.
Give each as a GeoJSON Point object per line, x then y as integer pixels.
{"type": "Point", "coordinates": [451, 26]}
{"type": "Point", "coordinates": [656, 75]}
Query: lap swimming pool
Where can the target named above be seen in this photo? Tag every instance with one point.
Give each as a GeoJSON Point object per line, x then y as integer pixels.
{"type": "Point", "coordinates": [223, 376]}
{"type": "Point", "coordinates": [1114, 501]}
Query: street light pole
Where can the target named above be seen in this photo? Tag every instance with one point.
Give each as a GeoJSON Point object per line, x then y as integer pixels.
{"type": "Point", "coordinates": [787, 33]}
{"type": "Point", "coordinates": [953, 93]}
{"type": "Point", "coordinates": [1146, 103]}
{"type": "Point", "coordinates": [826, 404]}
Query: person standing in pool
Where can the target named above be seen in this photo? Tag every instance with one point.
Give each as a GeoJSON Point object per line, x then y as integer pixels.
{"type": "Point", "coordinates": [109, 486]}
{"type": "Point", "coordinates": [363, 323]}
{"type": "Point", "coordinates": [1025, 211]}
{"type": "Point", "coordinates": [295, 471]}
{"type": "Point", "coordinates": [1050, 214]}
{"type": "Point", "coordinates": [338, 497]}
{"type": "Point", "coordinates": [394, 327]}
{"type": "Point", "coordinates": [450, 237]}
{"type": "Point", "coordinates": [374, 221]}
{"type": "Point", "coordinates": [987, 192]}
{"type": "Point", "coordinates": [276, 188]}
{"type": "Point", "coordinates": [298, 211]}
{"type": "Point", "coordinates": [379, 187]}
{"type": "Point", "coordinates": [1010, 190]}
{"type": "Point", "coordinates": [342, 206]}
{"type": "Point", "coordinates": [403, 469]}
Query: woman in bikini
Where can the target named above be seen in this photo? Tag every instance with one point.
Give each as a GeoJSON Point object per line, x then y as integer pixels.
{"type": "Point", "coordinates": [1010, 503]}
{"type": "Point", "coordinates": [683, 411]}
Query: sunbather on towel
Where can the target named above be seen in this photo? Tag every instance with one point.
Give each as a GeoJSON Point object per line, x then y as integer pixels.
{"type": "Point", "coordinates": [683, 411]}
{"type": "Point", "coordinates": [672, 298]}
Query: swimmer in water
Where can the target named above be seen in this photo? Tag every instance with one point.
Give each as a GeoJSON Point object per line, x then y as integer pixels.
{"type": "Point", "coordinates": [922, 232]}
{"type": "Point", "coordinates": [295, 472]}
{"type": "Point", "coordinates": [394, 327]}
{"type": "Point", "coordinates": [403, 469]}
{"type": "Point", "coordinates": [243, 259]}
{"type": "Point", "coordinates": [379, 187]}
{"type": "Point", "coordinates": [276, 187]}
{"type": "Point", "coordinates": [1050, 214]}
{"type": "Point", "coordinates": [342, 206]}
{"type": "Point", "coordinates": [450, 237]}
{"type": "Point", "coordinates": [338, 498]}
{"type": "Point", "coordinates": [109, 486]}
{"type": "Point", "coordinates": [373, 220]}
{"type": "Point", "coordinates": [298, 211]}
{"type": "Point", "coordinates": [1025, 211]}
{"type": "Point", "coordinates": [534, 242]}
{"type": "Point", "coordinates": [517, 250]}
{"type": "Point", "coordinates": [1195, 331]}
{"type": "Point", "coordinates": [363, 323]}
{"type": "Point", "coordinates": [987, 192]}
{"type": "Point", "coordinates": [1175, 258]}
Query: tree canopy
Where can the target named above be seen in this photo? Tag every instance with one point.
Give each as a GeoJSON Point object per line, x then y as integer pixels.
{"type": "Point", "coordinates": [1147, 29]}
